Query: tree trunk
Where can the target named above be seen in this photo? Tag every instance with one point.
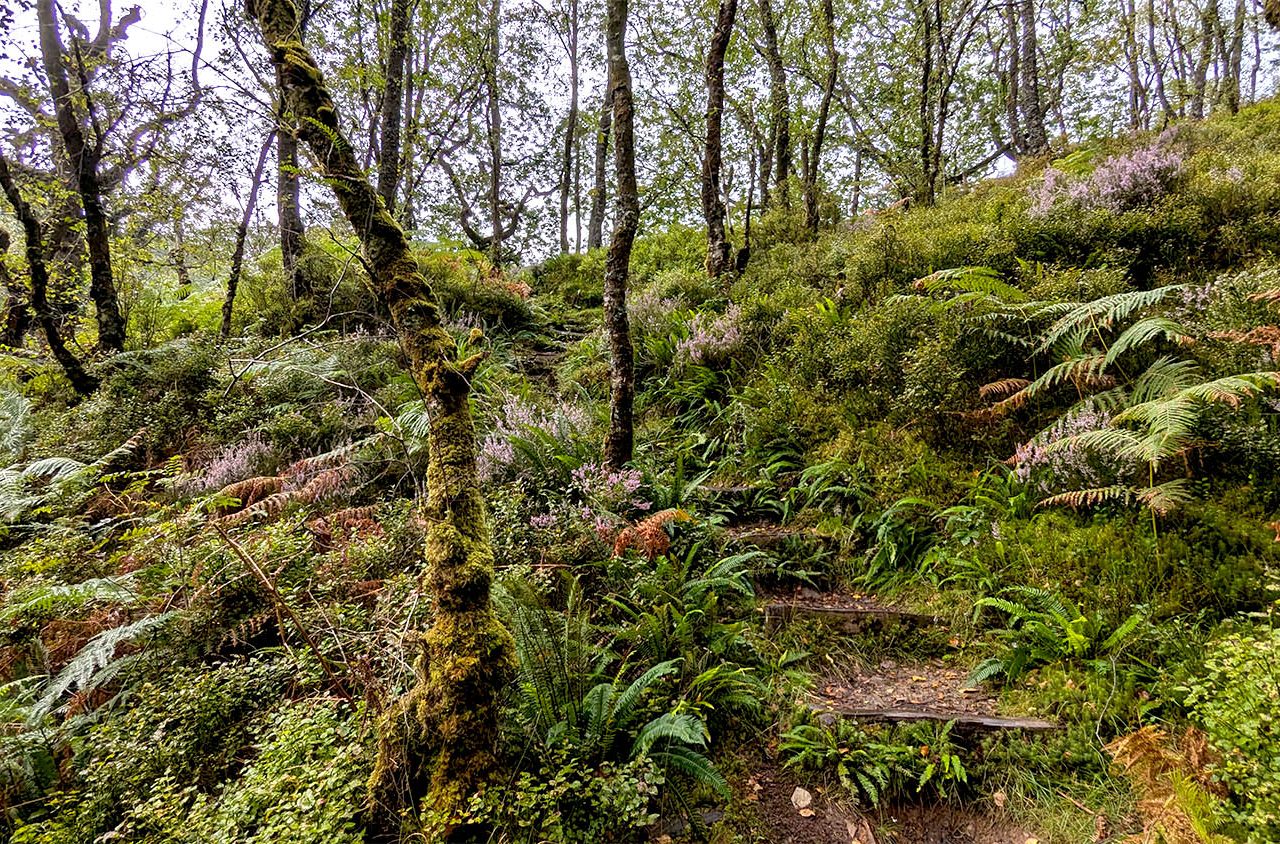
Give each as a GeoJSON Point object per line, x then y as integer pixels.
{"type": "Point", "coordinates": [1032, 107]}
{"type": "Point", "coordinates": [1200, 73]}
{"type": "Point", "coordinates": [570, 128]}
{"type": "Point", "coordinates": [444, 734]}
{"type": "Point", "coordinates": [81, 381]}
{"type": "Point", "coordinates": [620, 440]}
{"type": "Point", "coordinates": [718, 257]}
{"type": "Point", "coordinates": [595, 228]}
{"type": "Point", "coordinates": [856, 206]}
{"type": "Point", "coordinates": [242, 235]}
{"type": "Point", "coordinates": [17, 310]}
{"type": "Point", "coordinates": [926, 191]}
{"type": "Point", "coordinates": [84, 159]}
{"type": "Point", "coordinates": [779, 110]}
{"type": "Point", "coordinates": [1013, 81]}
{"type": "Point", "coordinates": [289, 210]}
{"type": "Point", "coordinates": [493, 109]}
{"type": "Point", "coordinates": [813, 156]}
{"type": "Point", "coordinates": [392, 104]}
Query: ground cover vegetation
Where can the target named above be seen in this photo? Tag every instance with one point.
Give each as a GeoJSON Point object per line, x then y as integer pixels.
{"type": "Point", "coordinates": [953, 517]}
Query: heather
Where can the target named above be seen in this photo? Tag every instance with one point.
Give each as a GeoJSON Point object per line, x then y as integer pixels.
{"type": "Point", "coordinates": [1038, 418]}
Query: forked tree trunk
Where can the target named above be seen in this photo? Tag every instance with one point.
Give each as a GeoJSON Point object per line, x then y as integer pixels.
{"type": "Point", "coordinates": [595, 227]}
{"type": "Point", "coordinates": [620, 440]}
{"type": "Point", "coordinates": [82, 382]}
{"type": "Point", "coordinates": [242, 235]}
{"type": "Point", "coordinates": [84, 160]}
{"type": "Point", "coordinates": [442, 737]}
{"type": "Point", "coordinates": [718, 256]}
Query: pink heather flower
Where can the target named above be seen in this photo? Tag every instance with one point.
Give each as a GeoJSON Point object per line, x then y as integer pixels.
{"type": "Point", "coordinates": [233, 463]}
{"type": "Point", "coordinates": [650, 312]}
{"type": "Point", "coordinates": [543, 521]}
{"type": "Point", "coordinates": [1050, 470]}
{"type": "Point", "coordinates": [712, 338]}
{"type": "Point", "coordinates": [564, 422]}
{"type": "Point", "coordinates": [1121, 183]}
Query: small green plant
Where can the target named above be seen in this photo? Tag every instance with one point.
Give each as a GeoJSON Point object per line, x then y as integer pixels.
{"type": "Point", "coordinates": [1042, 627]}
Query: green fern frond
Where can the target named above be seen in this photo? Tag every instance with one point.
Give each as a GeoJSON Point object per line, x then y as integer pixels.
{"type": "Point", "coordinates": [678, 727]}
{"type": "Point", "coordinates": [1104, 313]}
{"type": "Point", "coordinates": [1146, 331]}
{"type": "Point", "coordinates": [981, 280]}
{"type": "Point", "coordinates": [693, 764]}
{"type": "Point", "coordinates": [85, 668]}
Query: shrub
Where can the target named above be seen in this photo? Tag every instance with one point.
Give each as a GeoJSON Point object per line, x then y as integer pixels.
{"type": "Point", "coordinates": [1237, 703]}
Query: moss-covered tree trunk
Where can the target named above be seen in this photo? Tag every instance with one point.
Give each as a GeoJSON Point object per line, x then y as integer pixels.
{"type": "Point", "coordinates": [440, 740]}
{"type": "Point", "coordinates": [779, 111]}
{"type": "Point", "coordinates": [84, 158]}
{"type": "Point", "coordinates": [81, 381]}
{"type": "Point", "coordinates": [620, 439]}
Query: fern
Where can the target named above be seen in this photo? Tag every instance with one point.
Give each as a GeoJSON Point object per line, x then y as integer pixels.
{"type": "Point", "coordinates": [972, 280]}
{"type": "Point", "coordinates": [1104, 313]}
{"type": "Point", "coordinates": [42, 600]}
{"type": "Point", "coordinates": [92, 666]}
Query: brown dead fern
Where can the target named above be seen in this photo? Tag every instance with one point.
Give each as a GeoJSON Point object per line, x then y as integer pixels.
{"type": "Point", "coordinates": [649, 536]}
{"type": "Point", "coordinates": [1176, 793]}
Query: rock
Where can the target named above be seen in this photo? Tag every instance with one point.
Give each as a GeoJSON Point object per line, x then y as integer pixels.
{"type": "Point", "coordinates": [801, 798]}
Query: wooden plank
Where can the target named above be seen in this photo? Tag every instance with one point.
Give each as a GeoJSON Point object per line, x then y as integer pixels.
{"type": "Point", "coordinates": [963, 721]}
{"type": "Point", "coordinates": [849, 618]}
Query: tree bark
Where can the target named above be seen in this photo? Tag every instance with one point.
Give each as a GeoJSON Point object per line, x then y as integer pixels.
{"type": "Point", "coordinates": [81, 381]}
{"type": "Point", "coordinates": [713, 211]}
{"type": "Point", "coordinates": [620, 440]}
{"type": "Point", "coordinates": [779, 111]}
{"type": "Point", "coordinates": [289, 210]}
{"type": "Point", "coordinates": [242, 236]}
{"type": "Point", "coordinates": [84, 159]}
{"type": "Point", "coordinates": [493, 110]}
{"type": "Point", "coordinates": [443, 735]}
{"type": "Point", "coordinates": [595, 228]}
{"type": "Point", "coordinates": [1032, 106]}
{"type": "Point", "coordinates": [813, 153]}
{"type": "Point", "coordinates": [392, 109]}
{"type": "Point", "coordinates": [570, 127]}
{"type": "Point", "coordinates": [17, 309]}
{"type": "Point", "coordinates": [1013, 80]}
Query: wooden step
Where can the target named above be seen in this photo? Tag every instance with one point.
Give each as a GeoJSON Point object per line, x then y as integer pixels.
{"type": "Point", "coordinates": [965, 722]}
{"type": "Point", "coordinates": [851, 619]}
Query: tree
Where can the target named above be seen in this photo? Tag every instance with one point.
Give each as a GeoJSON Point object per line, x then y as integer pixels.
{"type": "Point", "coordinates": [1030, 102]}
{"type": "Point", "coordinates": [389, 150]}
{"type": "Point", "coordinates": [84, 158]}
{"type": "Point", "coordinates": [811, 149]}
{"type": "Point", "coordinates": [569, 40]}
{"type": "Point", "coordinates": [620, 439]}
{"type": "Point", "coordinates": [595, 226]}
{"type": "Point", "coordinates": [443, 735]}
{"type": "Point", "coordinates": [293, 230]}
{"type": "Point", "coordinates": [718, 255]}
{"type": "Point", "coordinates": [779, 111]}
{"type": "Point", "coordinates": [82, 382]}
{"type": "Point", "coordinates": [242, 235]}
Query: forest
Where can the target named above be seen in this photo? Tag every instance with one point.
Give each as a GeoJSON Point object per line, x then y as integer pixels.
{"type": "Point", "coordinates": [728, 421]}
